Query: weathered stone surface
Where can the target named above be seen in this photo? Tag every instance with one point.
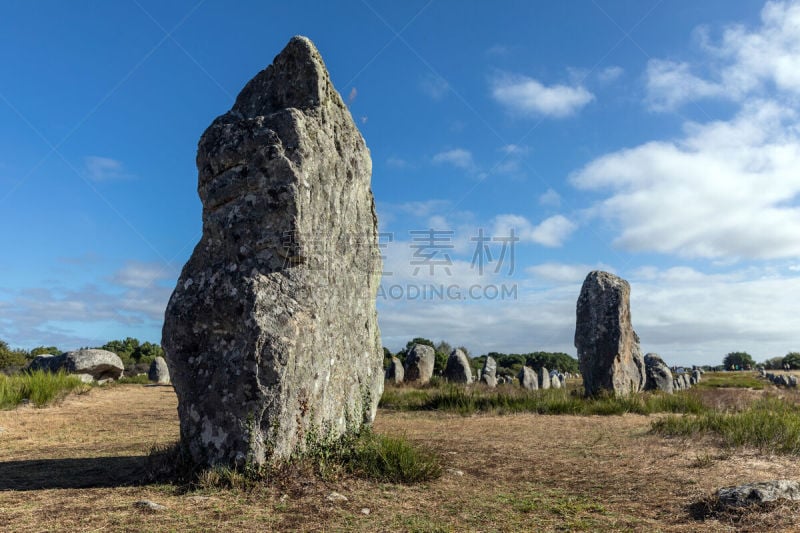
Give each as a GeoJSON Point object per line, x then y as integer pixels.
{"type": "Point", "coordinates": [687, 383]}
{"type": "Point", "coordinates": [159, 372]}
{"type": "Point", "coordinates": [527, 378]}
{"type": "Point", "coordinates": [756, 493]}
{"type": "Point", "coordinates": [544, 378]}
{"type": "Point", "coordinates": [608, 348]}
{"type": "Point", "coordinates": [458, 369]}
{"type": "Point", "coordinates": [489, 372]}
{"type": "Point", "coordinates": [271, 334]}
{"type": "Point", "coordinates": [677, 384]}
{"type": "Point", "coordinates": [395, 372]}
{"type": "Point", "coordinates": [420, 360]}
{"type": "Point", "coordinates": [555, 382]}
{"type": "Point", "coordinates": [659, 376]}
{"type": "Point", "coordinates": [100, 365]}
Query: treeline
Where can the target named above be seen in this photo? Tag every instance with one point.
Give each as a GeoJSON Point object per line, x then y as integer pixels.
{"type": "Point", "coordinates": [507, 364]}
{"type": "Point", "coordinates": [745, 361]}
{"type": "Point", "coordinates": [131, 351]}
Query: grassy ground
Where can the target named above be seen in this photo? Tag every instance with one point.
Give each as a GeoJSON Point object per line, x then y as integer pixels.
{"type": "Point", "coordinates": [745, 380]}
{"type": "Point", "coordinates": [79, 466]}
{"type": "Point", "coordinates": [39, 388]}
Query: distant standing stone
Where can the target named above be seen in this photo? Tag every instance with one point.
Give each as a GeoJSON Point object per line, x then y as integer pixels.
{"type": "Point", "coordinates": [420, 360]}
{"type": "Point", "coordinates": [395, 372]}
{"type": "Point", "coordinates": [544, 378]}
{"type": "Point", "coordinates": [458, 369]}
{"type": "Point", "coordinates": [489, 372]}
{"type": "Point", "coordinates": [159, 372]}
{"type": "Point", "coordinates": [608, 348]}
{"type": "Point", "coordinates": [527, 378]}
{"type": "Point", "coordinates": [659, 376]}
{"type": "Point", "coordinates": [555, 382]}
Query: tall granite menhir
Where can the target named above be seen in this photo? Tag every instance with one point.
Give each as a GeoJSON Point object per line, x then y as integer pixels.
{"type": "Point", "coordinates": [608, 348]}
{"type": "Point", "coordinates": [271, 332]}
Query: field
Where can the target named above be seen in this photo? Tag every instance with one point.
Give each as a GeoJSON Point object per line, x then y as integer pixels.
{"type": "Point", "coordinates": [80, 466]}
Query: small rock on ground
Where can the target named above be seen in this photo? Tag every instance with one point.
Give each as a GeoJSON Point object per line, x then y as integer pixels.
{"type": "Point", "coordinates": [336, 497]}
{"type": "Point", "coordinates": [147, 505]}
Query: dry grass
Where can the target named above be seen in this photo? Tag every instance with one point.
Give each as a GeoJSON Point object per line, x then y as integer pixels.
{"type": "Point", "coordinates": [79, 466]}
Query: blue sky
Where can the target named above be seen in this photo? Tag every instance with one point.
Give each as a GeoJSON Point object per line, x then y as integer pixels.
{"type": "Point", "coordinates": [659, 140]}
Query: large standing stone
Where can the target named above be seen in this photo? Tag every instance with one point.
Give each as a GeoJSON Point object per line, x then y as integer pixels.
{"type": "Point", "coordinates": [159, 371]}
{"type": "Point", "coordinates": [271, 334]}
{"type": "Point", "coordinates": [395, 373]}
{"type": "Point", "coordinates": [420, 360]}
{"type": "Point", "coordinates": [659, 376]}
{"type": "Point", "coordinates": [608, 348]}
{"type": "Point", "coordinates": [527, 378]}
{"type": "Point", "coordinates": [489, 372]}
{"type": "Point", "coordinates": [458, 369]}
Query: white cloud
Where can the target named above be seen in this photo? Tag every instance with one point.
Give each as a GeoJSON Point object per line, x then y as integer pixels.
{"type": "Point", "coordinates": [745, 62]}
{"type": "Point", "coordinates": [458, 157]}
{"type": "Point", "coordinates": [551, 232]}
{"type": "Point", "coordinates": [728, 189]}
{"type": "Point", "coordinates": [609, 74]}
{"type": "Point", "coordinates": [550, 197]}
{"type": "Point", "coordinates": [528, 96]}
{"type": "Point", "coordinates": [139, 275]}
{"type": "Point", "coordinates": [671, 84]}
{"type": "Point", "coordinates": [352, 95]}
{"type": "Point", "coordinates": [397, 162]}
{"type": "Point", "coordinates": [564, 272]}
{"type": "Point", "coordinates": [104, 169]}
{"type": "Point", "coordinates": [434, 86]}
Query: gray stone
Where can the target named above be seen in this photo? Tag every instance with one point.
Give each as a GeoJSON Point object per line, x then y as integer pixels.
{"type": "Point", "coordinates": [555, 382]}
{"type": "Point", "coordinates": [544, 378]}
{"type": "Point", "coordinates": [659, 376]}
{"type": "Point", "coordinates": [395, 372]}
{"type": "Point", "coordinates": [608, 348]}
{"type": "Point", "coordinates": [99, 365]}
{"type": "Point", "coordinates": [458, 369]}
{"type": "Point", "coordinates": [147, 505]}
{"type": "Point", "coordinates": [420, 360]}
{"type": "Point", "coordinates": [527, 378]}
{"type": "Point", "coordinates": [489, 372]}
{"type": "Point", "coordinates": [336, 497]}
{"type": "Point", "coordinates": [792, 381]}
{"type": "Point", "coordinates": [687, 384]}
{"type": "Point", "coordinates": [697, 375]}
{"type": "Point", "coordinates": [271, 334]}
{"type": "Point", "coordinates": [677, 384]}
{"type": "Point", "coordinates": [159, 372]}
{"type": "Point", "coordinates": [756, 493]}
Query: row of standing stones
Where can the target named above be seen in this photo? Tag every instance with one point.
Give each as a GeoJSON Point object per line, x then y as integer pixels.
{"type": "Point", "coordinates": [95, 366]}
{"type": "Point", "coordinates": [271, 339]}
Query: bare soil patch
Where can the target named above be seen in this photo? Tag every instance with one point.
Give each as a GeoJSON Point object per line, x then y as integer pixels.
{"type": "Point", "coordinates": [80, 465]}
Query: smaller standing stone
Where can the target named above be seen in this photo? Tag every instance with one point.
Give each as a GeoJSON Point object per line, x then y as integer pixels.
{"type": "Point", "coordinates": [159, 372]}
{"type": "Point", "coordinates": [544, 378]}
{"type": "Point", "coordinates": [458, 369]}
{"type": "Point", "coordinates": [555, 382]}
{"type": "Point", "coordinates": [395, 372]}
{"type": "Point", "coordinates": [420, 359]}
{"type": "Point", "coordinates": [659, 376]}
{"type": "Point", "coordinates": [489, 372]}
{"type": "Point", "coordinates": [527, 378]}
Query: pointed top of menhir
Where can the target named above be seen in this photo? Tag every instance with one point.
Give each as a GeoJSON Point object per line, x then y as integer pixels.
{"type": "Point", "coordinates": [297, 78]}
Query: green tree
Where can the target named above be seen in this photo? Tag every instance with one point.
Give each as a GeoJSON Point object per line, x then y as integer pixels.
{"type": "Point", "coordinates": [792, 359]}
{"type": "Point", "coordinates": [738, 361]}
{"type": "Point", "coordinates": [774, 363]}
{"type": "Point", "coordinates": [12, 358]}
{"type": "Point", "coordinates": [387, 358]}
{"type": "Point", "coordinates": [41, 350]}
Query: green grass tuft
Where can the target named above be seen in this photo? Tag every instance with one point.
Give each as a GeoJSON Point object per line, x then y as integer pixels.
{"type": "Point", "coordinates": [470, 400]}
{"type": "Point", "coordinates": [770, 424]}
{"type": "Point", "coordinates": [140, 379]}
{"type": "Point", "coordinates": [39, 388]}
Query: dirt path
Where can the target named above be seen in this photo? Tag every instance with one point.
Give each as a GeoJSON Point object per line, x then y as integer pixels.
{"type": "Point", "coordinates": [76, 467]}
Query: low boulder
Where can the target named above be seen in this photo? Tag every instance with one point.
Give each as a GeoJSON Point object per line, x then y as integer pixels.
{"type": "Point", "coordinates": [757, 493]}
{"type": "Point", "coordinates": [100, 365]}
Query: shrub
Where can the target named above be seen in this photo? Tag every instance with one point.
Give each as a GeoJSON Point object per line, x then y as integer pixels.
{"type": "Point", "coordinates": [39, 387]}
